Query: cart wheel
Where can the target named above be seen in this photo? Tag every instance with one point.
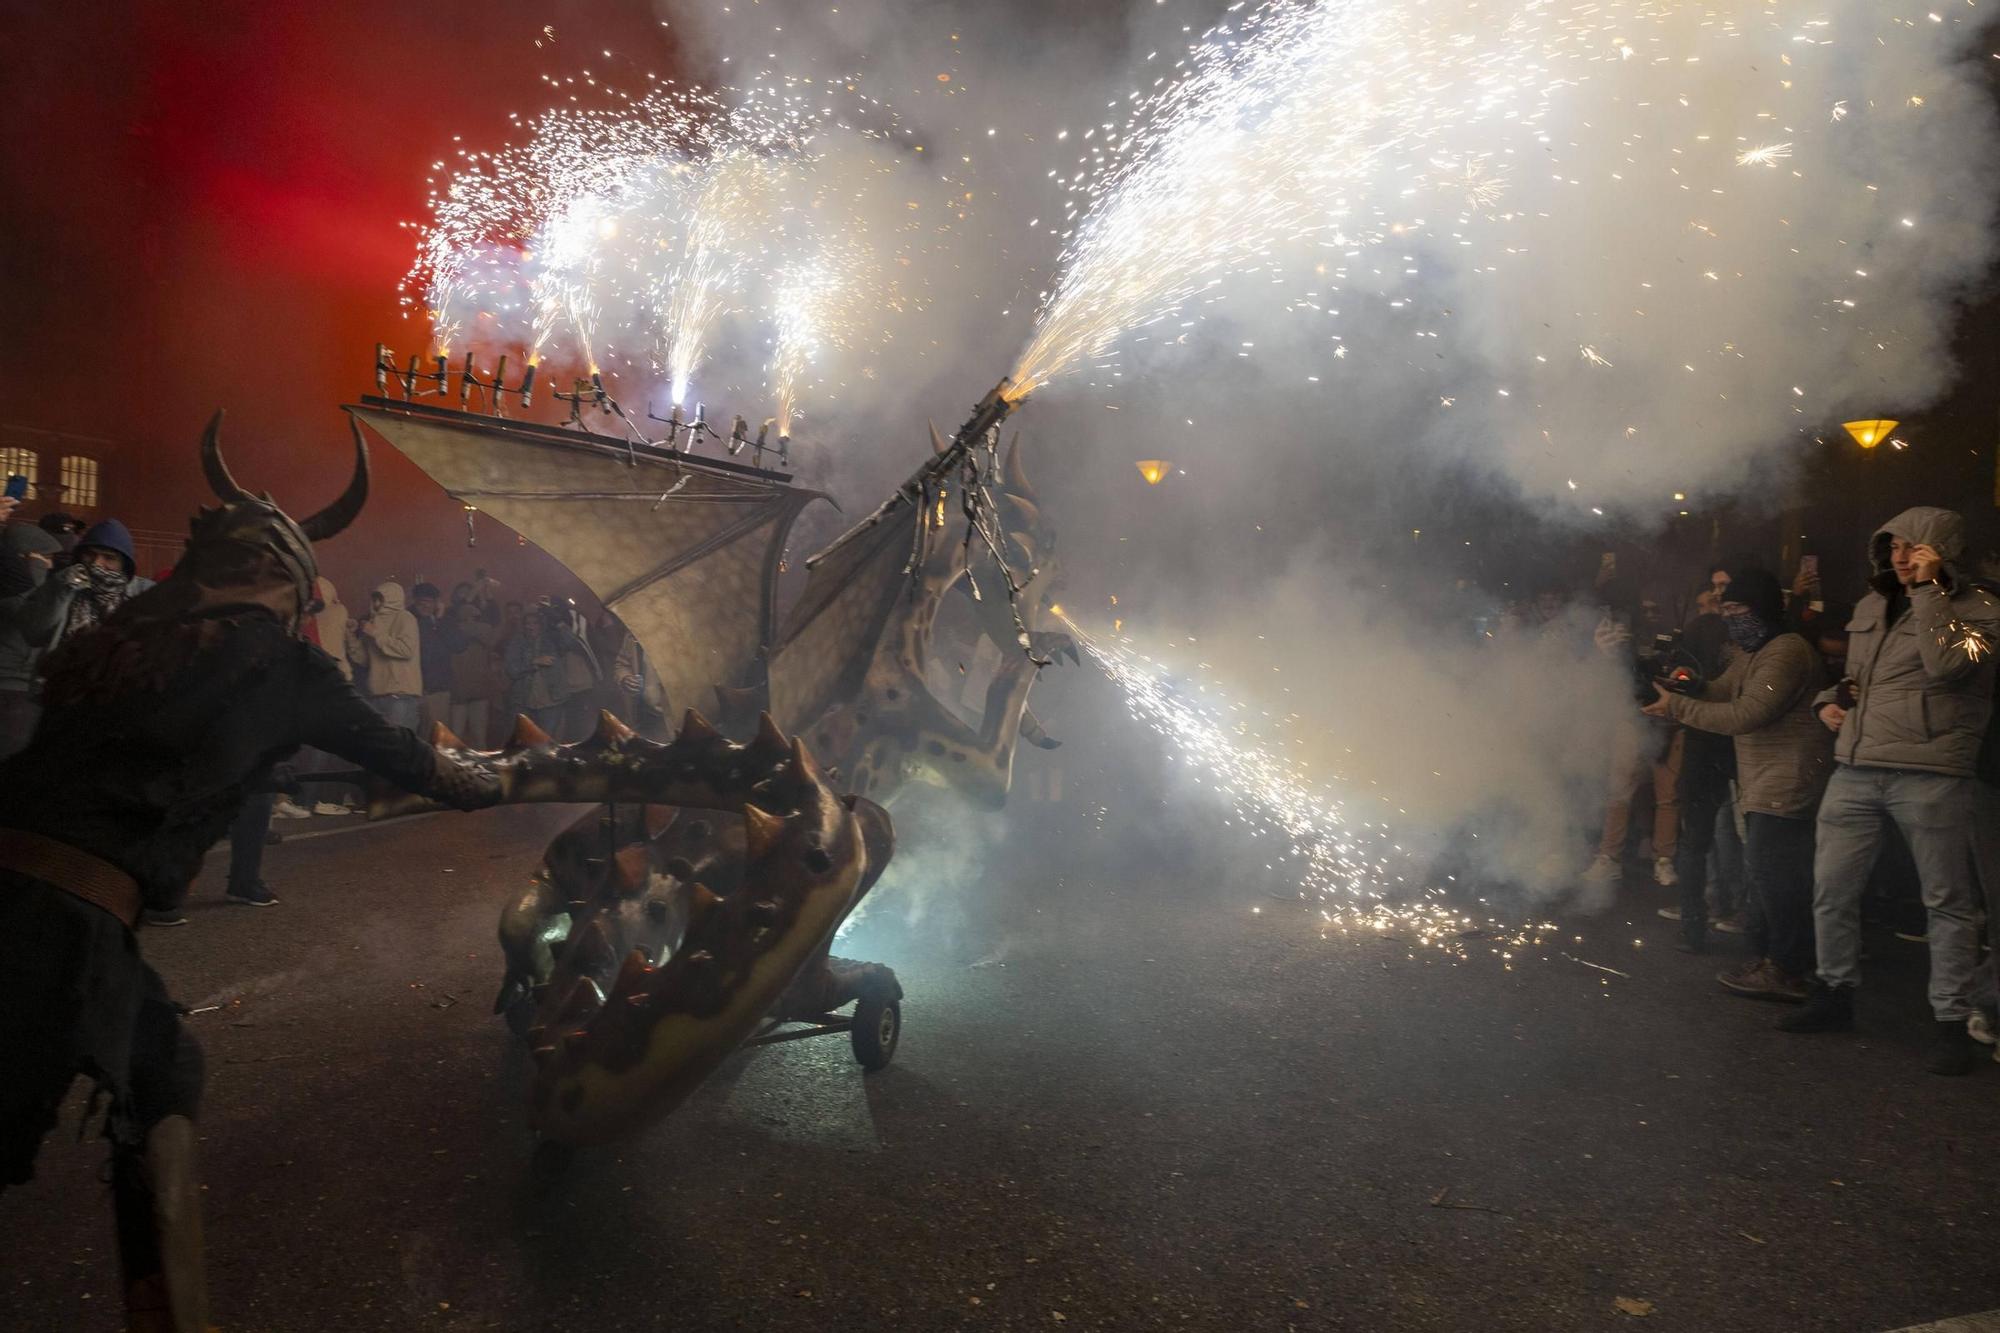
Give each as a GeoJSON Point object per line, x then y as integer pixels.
{"type": "Point", "coordinates": [878, 1024]}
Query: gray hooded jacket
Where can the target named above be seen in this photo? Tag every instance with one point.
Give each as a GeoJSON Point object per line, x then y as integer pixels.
{"type": "Point", "coordinates": [1924, 684]}
{"type": "Point", "coordinates": [20, 576]}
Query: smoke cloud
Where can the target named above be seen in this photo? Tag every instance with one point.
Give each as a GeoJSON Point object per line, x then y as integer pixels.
{"type": "Point", "coordinates": [1642, 280]}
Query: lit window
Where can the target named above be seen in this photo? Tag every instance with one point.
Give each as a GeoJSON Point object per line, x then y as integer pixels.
{"type": "Point", "coordinates": [19, 463]}
{"type": "Point", "coordinates": [80, 476]}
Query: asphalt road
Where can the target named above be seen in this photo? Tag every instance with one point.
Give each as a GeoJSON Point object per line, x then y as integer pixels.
{"type": "Point", "coordinates": [1148, 1107]}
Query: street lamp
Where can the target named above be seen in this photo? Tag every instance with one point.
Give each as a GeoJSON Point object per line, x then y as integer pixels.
{"type": "Point", "coordinates": [1154, 469]}
{"type": "Point", "coordinates": [1868, 434]}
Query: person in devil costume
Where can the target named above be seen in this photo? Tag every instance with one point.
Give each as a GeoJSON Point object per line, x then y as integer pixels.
{"type": "Point", "coordinates": [156, 724]}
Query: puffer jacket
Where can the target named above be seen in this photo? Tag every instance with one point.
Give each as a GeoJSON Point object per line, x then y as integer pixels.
{"type": "Point", "coordinates": [1765, 700]}
{"type": "Point", "coordinates": [386, 661]}
{"type": "Point", "coordinates": [20, 576]}
{"type": "Point", "coordinates": [1924, 684]}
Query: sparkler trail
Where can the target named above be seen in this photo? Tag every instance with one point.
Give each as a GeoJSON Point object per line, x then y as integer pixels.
{"type": "Point", "coordinates": [1708, 168]}
{"type": "Point", "coordinates": [1349, 871]}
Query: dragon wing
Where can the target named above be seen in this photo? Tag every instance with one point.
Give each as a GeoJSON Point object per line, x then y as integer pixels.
{"type": "Point", "coordinates": [685, 551]}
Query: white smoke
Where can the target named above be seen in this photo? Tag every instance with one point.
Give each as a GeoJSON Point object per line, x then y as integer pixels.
{"type": "Point", "coordinates": [1724, 228]}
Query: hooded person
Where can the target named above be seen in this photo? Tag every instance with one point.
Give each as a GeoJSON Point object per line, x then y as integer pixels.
{"type": "Point", "coordinates": [102, 575]}
{"type": "Point", "coordinates": [329, 624]}
{"type": "Point", "coordinates": [27, 553]}
{"type": "Point", "coordinates": [157, 721]}
{"type": "Point", "coordinates": [1764, 700]}
{"type": "Point", "coordinates": [383, 646]}
{"type": "Point", "coordinates": [1908, 723]}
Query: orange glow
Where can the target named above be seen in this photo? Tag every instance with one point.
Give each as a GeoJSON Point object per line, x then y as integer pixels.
{"type": "Point", "coordinates": [1868, 434]}
{"type": "Point", "coordinates": [1154, 470]}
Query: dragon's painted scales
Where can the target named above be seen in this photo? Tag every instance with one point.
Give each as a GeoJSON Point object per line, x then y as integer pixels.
{"type": "Point", "coordinates": [614, 1055]}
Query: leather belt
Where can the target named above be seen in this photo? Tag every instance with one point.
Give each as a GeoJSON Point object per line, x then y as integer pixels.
{"type": "Point", "coordinates": [75, 872]}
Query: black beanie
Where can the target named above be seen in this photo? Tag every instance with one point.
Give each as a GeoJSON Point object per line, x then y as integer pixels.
{"type": "Point", "coordinates": [1759, 590]}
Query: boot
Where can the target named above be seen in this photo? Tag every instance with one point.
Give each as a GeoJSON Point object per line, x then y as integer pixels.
{"type": "Point", "coordinates": [1827, 1009]}
{"type": "Point", "coordinates": [158, 1202]}
{"type": "Point", "coordinates": [1954, 1049]}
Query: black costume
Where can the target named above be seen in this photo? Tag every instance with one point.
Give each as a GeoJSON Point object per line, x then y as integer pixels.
{"type": "Point", "coordinates": [156, 724]}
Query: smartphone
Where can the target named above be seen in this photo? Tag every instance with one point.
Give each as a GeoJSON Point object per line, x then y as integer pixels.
{"type": "Point", "coordinates": [17, 487]}
{"type": "Point", "coordinates": [1809, 567]}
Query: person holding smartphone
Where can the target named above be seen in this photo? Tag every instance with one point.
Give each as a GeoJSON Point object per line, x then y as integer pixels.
{"type": "Point", "coordinates": [1908, 724]}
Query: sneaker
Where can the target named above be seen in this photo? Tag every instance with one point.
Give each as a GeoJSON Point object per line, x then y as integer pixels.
{"type": "Point", "coordinates": [1664, 873]}
{"type": "Point", "coordinates": [1954, 1051]}
{"type": "Point", "coordinates": [1604, 870]}
{"type": "Point", "coordinates": [1733, 924]}
{"type": "Point", "coordinates": [1827, 1009]}
{"type": "Point", "coordinates": [1764, 980]}
{"type": "Point", "coordinates": [257, 895]}
{"type": "Point", "coordinates": [332, 808]}
{"type": "Point", "coordinates": [285, 808]}
{"type": "Point", "coordinates": [1670, 914]}
{"type": "Point", "coordinates": [163, 916]}
{"type": "Point", "coordinates": [1981, 1029]}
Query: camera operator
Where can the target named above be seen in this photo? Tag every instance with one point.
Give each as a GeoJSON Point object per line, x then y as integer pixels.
{"type": "Point", "coordinates": [1764, 698]}
{"type": "Point", "coordinates": [1909, 722]}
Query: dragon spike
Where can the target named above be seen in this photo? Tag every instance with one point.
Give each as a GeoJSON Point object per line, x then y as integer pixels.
{"type": "Point", "coordinates": [1027, 513]}
{"type": "Point", "coordinates": [443, 739]}
{"type": "Point", "coordinates": [527, 735]}
{"type": "Point", "coordinates": [632, 867]}
{"type": "Point", "coordinates": [694, 727]}
{"type": "Point", "coordinates": [760, 831]}
{"type": "Point", "coordinates": [630, 984]}
{"type": "Point", "coordinates": [937, 440]}
{"type": "Point", "coordinates": [700, 899]}
{"type": "Point", "coordinates": [1017, 472]}
{"type": "Point", "coordinates": [768, 734]}
{"type": "Point", "coordinates": [610, 730]}
{"type": "Point", "coordinates": [803, 767]}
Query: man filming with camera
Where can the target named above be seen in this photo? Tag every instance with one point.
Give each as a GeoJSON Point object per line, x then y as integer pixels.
{"type": "Point", "coordinates": [1764, 699]}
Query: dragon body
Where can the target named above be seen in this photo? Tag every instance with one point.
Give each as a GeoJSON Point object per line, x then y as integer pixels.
{"type": "Point", "coordinates": [701, 898]}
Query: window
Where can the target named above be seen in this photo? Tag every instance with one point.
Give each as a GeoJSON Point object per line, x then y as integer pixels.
{"type": "Point", "coordinates": [19, 462]}
{"type": "Point", "coordinates": [79, 475]}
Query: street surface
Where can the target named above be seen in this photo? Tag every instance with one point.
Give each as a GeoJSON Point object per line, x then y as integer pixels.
{"type": "Point", "coordinates": [1139, 1105]}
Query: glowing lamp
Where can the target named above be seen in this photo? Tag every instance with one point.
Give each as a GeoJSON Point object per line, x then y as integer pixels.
{"type": "Point", "coordinates": [1154, 470]}
{"type": "Point", "coordinates": [1868, 434]}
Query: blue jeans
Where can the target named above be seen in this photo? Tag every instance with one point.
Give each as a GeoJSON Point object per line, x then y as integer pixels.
{"type": "Point", "coordinates": [402, 709]}
{"type": "Point", "coordinates": [1934, 811]}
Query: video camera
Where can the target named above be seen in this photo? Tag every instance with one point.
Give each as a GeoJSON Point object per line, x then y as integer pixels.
{"type": "Point", "coordinates": [1668, 664]}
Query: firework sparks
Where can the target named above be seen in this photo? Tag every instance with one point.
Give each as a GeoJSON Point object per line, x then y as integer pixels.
{"type": "Point", "coordinates": [634, 236]}
{"type": "Point", "coordinates": [1351, 873]}
{"type": "Point", "coordinates": [1769, 155]}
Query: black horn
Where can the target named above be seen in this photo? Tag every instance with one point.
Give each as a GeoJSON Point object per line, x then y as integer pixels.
{"type": "Point", "coordinates": [214, 468]}
{"type": "Point", "coordinates": [341, 512]}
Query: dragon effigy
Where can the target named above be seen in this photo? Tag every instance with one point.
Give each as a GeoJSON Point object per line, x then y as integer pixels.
{"type": "Point", "coordinates": [694, 909]}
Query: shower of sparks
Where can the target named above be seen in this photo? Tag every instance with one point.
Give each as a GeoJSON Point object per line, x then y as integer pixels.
{"type": "Point", "coordinates": [1770, 155]}
{"type": "Point", "coordinates": [1350, 872]}
{"type": "Point", "coordinates": [1358, 144]}
{"type": "Point", "coordinates": [632, 239]}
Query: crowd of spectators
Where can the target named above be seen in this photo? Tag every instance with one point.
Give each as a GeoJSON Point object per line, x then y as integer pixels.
{"type": "Point", "coordinates": [1800, 757]}
{"type": "Point", "coordinates": [1804, 759]}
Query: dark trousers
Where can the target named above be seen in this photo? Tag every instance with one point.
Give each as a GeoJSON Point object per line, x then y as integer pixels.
{"type": "Point", "coordinates": [246, 841]}
{"type": "Point", "coordinates": [1778, 863]}
{"type": "Point", "coordinates": [18, 715]}
{"type": "Point", "coordinates": [1704, 795]}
